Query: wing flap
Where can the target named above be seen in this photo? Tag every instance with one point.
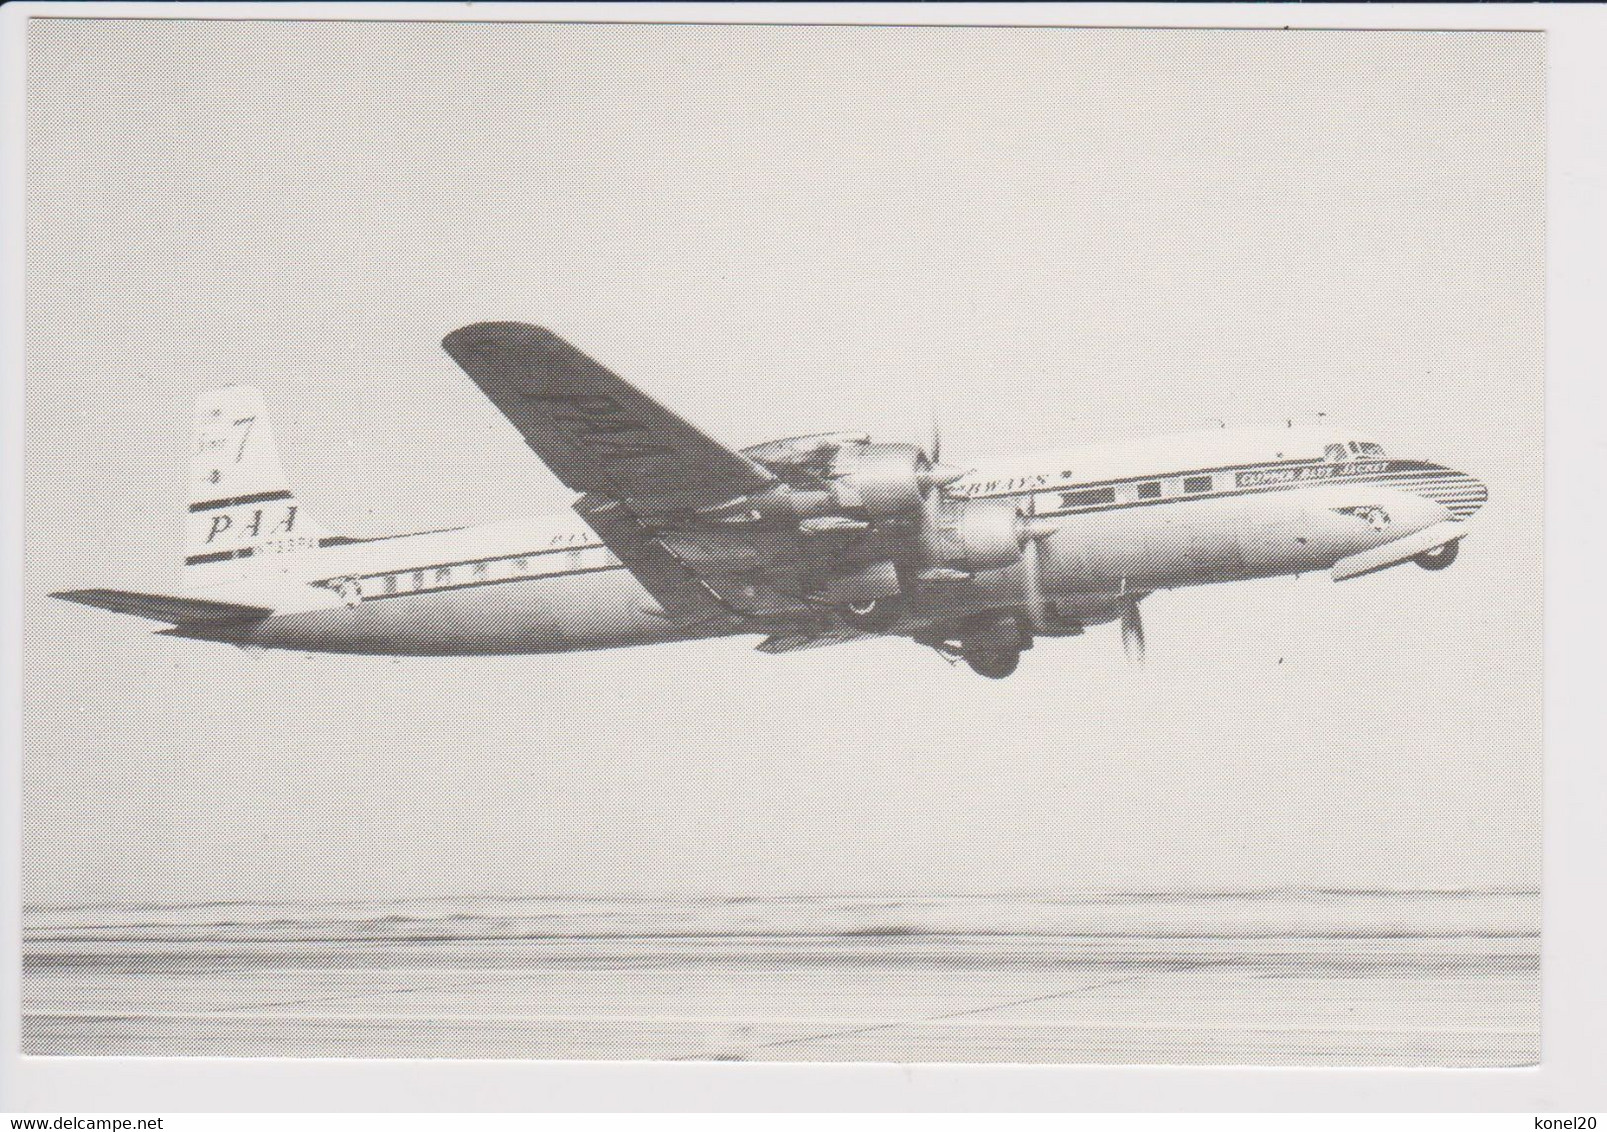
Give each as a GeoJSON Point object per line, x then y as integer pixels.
{"type": "Point", "coordinates": [665, 577]}
{"type": "Point", "coordinates": [162, 607]}
{"type": "Point", "coordinates": [686, 581]}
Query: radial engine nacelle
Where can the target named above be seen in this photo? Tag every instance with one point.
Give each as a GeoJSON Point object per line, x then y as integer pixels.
{"type": "Point", "coordinates": [886, 481]}
{"type": "Point", "coordinates": [851, 483]}
{"type": "Point", "coordinates": [979, 534]}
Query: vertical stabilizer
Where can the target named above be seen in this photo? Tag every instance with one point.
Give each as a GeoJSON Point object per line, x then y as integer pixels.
{"type": "Point", "coordinates": [244, 520]}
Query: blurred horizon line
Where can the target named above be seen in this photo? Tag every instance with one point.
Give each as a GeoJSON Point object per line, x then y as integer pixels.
{"type": "Point", "coordinates": [1074, 895]}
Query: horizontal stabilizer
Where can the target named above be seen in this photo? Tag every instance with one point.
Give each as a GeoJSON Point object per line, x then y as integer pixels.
{"type": "Point", "coordinates": [160, 607]}
{"type": "Point", "coordinates": [1401, 550]}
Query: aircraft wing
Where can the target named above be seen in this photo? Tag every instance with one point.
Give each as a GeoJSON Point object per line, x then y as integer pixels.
{"type": "Point", "coordinates": [645, 475]}
{"type": "Point", "coordinates": [665, 577]}
{"type": "Point", "coordinates": [597, 432]}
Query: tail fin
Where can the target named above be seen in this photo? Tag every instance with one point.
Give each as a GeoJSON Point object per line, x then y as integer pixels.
{"type": "Point", "coordinates": [243, 515]}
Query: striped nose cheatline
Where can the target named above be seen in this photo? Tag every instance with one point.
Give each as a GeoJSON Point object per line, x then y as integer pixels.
{"type": "Point", "coordinates": [1458, 492]}
{"type": "Point", "coordinates": [1461, 502]}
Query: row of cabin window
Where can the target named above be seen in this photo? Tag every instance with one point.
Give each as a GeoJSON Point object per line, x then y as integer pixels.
{"type": "Point", "coordinates": [1148, 489]}
{"type": "Point", "coordinates": [449, 575]}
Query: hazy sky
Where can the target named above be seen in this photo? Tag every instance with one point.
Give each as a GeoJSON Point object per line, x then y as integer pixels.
{"type": "Point", "coordinates": [1047, 235]}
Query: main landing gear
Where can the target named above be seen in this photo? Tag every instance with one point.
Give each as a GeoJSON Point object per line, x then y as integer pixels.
{"type": "Point", "coordinates": [873, 616]}
{"type": "Point", "coordinates": [994, 663]}
{"type": "Point", "coordinates": [991, 646]}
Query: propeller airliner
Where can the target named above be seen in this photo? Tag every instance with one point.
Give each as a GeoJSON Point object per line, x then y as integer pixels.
{"type": "Point", "coordinates": [808, 541]}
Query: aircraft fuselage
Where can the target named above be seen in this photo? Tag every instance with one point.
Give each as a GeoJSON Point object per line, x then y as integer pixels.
{"type": "Point", "coordinates": [548, 584]}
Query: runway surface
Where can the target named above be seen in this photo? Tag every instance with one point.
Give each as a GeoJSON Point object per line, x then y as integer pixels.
{"type": "Point", "coordinates": [1285, 978]}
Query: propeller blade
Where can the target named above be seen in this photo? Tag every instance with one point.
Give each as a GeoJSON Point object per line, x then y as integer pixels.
{"type": "Point", "coordinates": [1133, 634]}
{"type": "Point", "coordinates": [941, 475]}
{"type": "Point", "coordinates": [1032, 585]}
{"type": "Point", "coordinates": [934, 472]}
{"type": "Point", "coordinates": [1031, 530]}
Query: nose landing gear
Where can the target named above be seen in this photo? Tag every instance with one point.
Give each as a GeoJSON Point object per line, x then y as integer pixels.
{"type": "Point", "coordinates": [1440, 557]}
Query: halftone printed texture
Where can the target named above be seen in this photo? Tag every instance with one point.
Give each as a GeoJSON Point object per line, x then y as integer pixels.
{"type": "Point", "coordinates": [1272, 978]}
{"type": "Point", "coordinates": [1307, 833]}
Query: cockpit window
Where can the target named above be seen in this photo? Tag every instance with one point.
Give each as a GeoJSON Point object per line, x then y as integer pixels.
{"type": "Point", "coordinates": [1351, 450]}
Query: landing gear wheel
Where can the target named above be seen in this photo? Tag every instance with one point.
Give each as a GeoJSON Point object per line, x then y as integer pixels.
{"type": "Point", "coordinates": [1438, 558]}
{"type": "Point", "coordinates": [872, 615]}
{"type": "Point", "coordinates": [995, 664]}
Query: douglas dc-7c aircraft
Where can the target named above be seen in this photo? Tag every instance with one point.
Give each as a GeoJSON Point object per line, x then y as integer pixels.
{"type": "Point", "coordinates": [812, 540]}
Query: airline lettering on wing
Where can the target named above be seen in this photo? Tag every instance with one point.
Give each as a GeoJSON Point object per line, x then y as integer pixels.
{"type": "Point", "coordinates": [599, 423]}
{"type": "Point", "coordinates": [1262, 477]}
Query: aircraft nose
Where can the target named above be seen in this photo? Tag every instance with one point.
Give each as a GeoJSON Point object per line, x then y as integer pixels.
{"type": "Point", "coordinates": [1414, 511]}
{"type": "Point", "coordinates": [1459, 493]}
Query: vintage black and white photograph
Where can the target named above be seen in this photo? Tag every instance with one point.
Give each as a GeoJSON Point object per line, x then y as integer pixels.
{"type": "Point", "coordinates": [664, 542]}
